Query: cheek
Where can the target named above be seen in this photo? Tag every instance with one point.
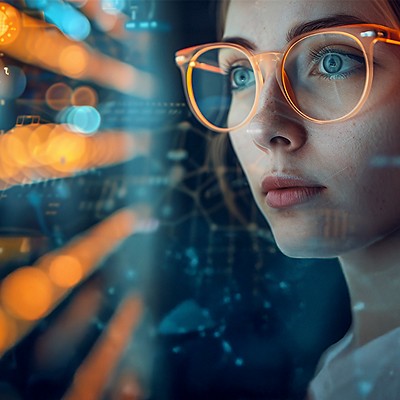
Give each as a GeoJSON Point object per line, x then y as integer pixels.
{"type": "Point", "coordinates": [254, 162]}
{"type": "Point", "coordinates": [364, 173]}
{"type": "Point", "coordinates": [248, 154]}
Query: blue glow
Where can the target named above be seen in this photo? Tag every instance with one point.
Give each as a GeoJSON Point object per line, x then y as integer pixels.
{"type": "Point", "coordinates": [227, 347]}
{"type": "Point", "coordinates": [112, 6]}
{"type": "Point", "coordinates": [365, 387]}
{"type": "Point", "coordinates": [239, 362]}
{"type": "Point", "coordinates": [85, 119]}
{"type": "Point", "coordinates": [68, 19]}
{"type": "Point", "coordinates": [184, 318]}
{"type": "Point", "coordinates": [147, 25]}
{"type": "Point", "coordinates": [36, 3]}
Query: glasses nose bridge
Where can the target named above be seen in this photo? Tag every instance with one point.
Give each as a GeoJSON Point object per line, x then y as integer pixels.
{"type": "Point", "coordinates": [268, 62]}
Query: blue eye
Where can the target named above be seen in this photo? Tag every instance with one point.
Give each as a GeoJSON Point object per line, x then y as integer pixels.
{"type": "Point", "coordinates": [241, 78]}
{"type": "Point", "coordinates": [332, 63]}
{"type": "Point", "coordinates": [337, 65]}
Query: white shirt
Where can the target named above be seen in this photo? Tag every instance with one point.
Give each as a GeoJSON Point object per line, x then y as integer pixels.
{"type": "Point", "coordinates": [369, 372]}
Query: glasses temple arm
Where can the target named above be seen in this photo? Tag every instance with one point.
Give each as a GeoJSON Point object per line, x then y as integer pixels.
{"type": "Point", "coordinates": [206, 67]}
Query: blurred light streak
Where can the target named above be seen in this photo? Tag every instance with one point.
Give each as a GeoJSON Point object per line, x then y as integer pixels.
{"type": "Point", "coordinates": [65, 271]}
{"type": "Point", "coordinates": [70, 21]}
{"type": "Point", "coordinates": [57, 345]}
{"type": "Point", "coordinates": [74, 60]}
{"type": "Point", "coordinates": [43, 45]}
{"type": "Point", "coordinates": [93, 375]}
{"type": "Point", "coordinates": [28, 293]}
{"type": "Point", "coordinates": [67, 18]}
{"type": "Point", "coordinates": [31, 153]}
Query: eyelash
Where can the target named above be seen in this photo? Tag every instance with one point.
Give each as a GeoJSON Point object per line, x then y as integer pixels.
{"type": "Point", "coordinates": [228, 65]}
{"type": "Point", "coordinates": [317, 55]}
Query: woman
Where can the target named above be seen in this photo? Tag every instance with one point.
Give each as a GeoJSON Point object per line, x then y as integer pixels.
{"type": "Point", "coordinates": [309, 91]}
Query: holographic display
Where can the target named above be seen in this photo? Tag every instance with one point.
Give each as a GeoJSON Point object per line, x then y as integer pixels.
{"type": "Point", "coordinates": [134, 263]}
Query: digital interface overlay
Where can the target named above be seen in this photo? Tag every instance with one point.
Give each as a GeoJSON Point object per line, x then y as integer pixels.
{"type": "Point", "coordinates": [133, 259]}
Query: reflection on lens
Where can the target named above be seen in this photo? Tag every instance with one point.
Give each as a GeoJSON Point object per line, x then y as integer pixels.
{"type": "Point", "coordinates": [223, 85]}
{"type": "Point", "coordinates": [325, 75]}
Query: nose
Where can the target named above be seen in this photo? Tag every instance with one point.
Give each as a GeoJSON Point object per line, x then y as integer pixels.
{"type": "Point", "coordinates": [275, 126]}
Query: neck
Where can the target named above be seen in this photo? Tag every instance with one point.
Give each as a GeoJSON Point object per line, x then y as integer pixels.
{"type": "Point", "coordinates": [373, 278]}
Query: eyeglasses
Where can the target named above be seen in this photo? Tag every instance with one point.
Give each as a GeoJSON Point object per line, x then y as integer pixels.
{"type": "Point", "coordinates": [325, 76]}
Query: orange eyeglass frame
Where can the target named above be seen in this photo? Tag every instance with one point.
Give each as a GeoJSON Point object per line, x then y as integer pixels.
{"type": "Point", "coordinates": [365, 35]}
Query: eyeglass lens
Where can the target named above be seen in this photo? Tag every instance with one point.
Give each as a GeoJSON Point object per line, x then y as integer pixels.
{"type": "Point", "coordinates": [324, 77]}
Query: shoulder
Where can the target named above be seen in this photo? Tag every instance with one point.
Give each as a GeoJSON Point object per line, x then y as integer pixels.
{"type": "Point", "coordinates": [370, 372]}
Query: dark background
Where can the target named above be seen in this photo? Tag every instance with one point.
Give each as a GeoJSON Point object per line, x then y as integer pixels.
{"type": "Point", "coordinates": [228, 316]}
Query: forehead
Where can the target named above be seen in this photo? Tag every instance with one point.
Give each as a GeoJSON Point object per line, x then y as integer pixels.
{"type": "Point", "coordinates": [267, 22]}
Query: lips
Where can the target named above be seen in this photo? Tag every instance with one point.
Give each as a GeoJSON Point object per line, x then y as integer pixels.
{"type": "Point", "coordinates": [282, 191]}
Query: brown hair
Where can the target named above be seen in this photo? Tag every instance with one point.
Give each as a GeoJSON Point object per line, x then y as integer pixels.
{"type": "Point", "coordinates": [395, 5]}
{"type": "Point", "coordinates": [224, 4]}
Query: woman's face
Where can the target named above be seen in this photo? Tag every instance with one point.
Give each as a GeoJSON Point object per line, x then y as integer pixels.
{"type": "Point", "coordinates": [347, 174]}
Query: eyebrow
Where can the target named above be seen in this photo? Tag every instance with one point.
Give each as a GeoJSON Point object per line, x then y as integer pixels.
{"type": "Point", "coordinates": [304, 27]}
{"type": "Point", "coordinates": [328, 22]}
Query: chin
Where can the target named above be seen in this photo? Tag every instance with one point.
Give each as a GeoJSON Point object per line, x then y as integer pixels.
{"type": "Point", "coordinates": [307, 250]}
{"type": "Point", "coordinates": [316, 247]}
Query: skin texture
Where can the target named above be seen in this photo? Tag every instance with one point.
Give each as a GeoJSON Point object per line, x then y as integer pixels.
{"type": "Point", "coordinates": [359, 205]}
{"type": "Point", "coordinates": [356, 217]}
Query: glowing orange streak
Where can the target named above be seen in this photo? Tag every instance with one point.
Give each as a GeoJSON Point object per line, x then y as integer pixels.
{"type": "Point", "coordinates": [91, 249]}
{"type": "Point", "coordinates": [34, 153]}
{"type": "Point", "coordinates": [43, 45]}
{"type": "Point", "coordinates": [207, 67]}
{"type": "Point", "coordinates": [88, 250]}
{"type": "Point", "coordinates": [95, 372]}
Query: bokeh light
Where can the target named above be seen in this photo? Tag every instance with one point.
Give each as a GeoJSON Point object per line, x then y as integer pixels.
{"type": "Point", "coordinates": [12, 81]}
{"type": "Point", "coordinates": [58, 53]}
{"type": "Point", "coordinates": [58, 96]}
{"type": "Point", "coordinates": [65, 271]}
{"type": "Point", "coordinates": [83, 119]}
{"type": "Point", "coordinates": [66, 151]}
{"type": "Point", "coordinates": [84, 96]}
{"type": "Point", "coordinates": [27, 293]}
{"type": "Point", "coordinates": [38, 141]}
{"type": "Point", "coordinates": [8, 168]}
{"type": "Point", "coordinates": [73, 61]}
{"type": "Point", "coordinates": [31, 153]}
{"type": "Point", "coordinates": [16, 147]}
